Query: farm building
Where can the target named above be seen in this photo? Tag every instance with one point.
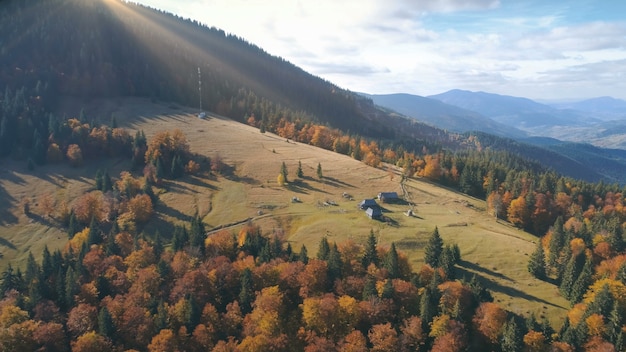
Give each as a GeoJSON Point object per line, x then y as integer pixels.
{"type": "Point", "coordinates": [368, 203]}
{"type": "Point", "coordinates": [374, 213]}
{"type": "Point", "coordinates": [388, 197]}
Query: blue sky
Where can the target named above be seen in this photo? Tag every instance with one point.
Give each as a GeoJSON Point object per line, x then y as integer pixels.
{"type": "Point", "coordinates": [537, 49]}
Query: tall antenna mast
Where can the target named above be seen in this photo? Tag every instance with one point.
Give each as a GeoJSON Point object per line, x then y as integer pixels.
{"type": "Point", "coordinates": [200, 87]}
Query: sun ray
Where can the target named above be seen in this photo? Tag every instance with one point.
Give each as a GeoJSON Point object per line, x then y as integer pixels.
{"type": "Point", "coordinates": [150, 34]}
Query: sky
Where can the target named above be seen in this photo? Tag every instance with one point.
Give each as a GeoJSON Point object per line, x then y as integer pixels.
{"type": "Point", "coordinates": [538, 49]}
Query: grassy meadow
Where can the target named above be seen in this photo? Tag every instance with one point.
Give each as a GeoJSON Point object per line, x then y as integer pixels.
{"type": "Point", "coordinates": [493, 250]}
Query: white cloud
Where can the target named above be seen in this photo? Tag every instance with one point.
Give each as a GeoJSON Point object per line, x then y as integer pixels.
{"type": "Point", "coordinates": [428, 46]}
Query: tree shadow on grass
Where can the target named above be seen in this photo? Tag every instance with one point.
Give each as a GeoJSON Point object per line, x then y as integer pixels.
{"type": "Point", "coordinates": [171, 212]}
{"type": "Point", "coordinates": [7, 243]}
{"type": "Point", "coordinates": [480, 269]}
{"type": "Point", "coordinates": [197, 181]}
{"type": "Point", "coordinates": [302, 187]}
{"type": "Point", "coordinates": [495, 286]}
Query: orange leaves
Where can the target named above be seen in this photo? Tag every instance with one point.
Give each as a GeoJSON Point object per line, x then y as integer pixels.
{"type": "Point", "coordinates": [518, 212]}
{"type": "Point", "coordinates": [165, 145]}
{"type": "Point", "coordinates": [535, 341]}
{"type": "Point", "coordinates": [91, 205]}
{"type": "Point", "coordinates": [488, 320]}
{"type": "Point", "coordinates": [74, 155]}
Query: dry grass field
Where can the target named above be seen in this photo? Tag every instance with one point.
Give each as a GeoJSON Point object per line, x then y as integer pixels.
{"type": "Point", "coordinates": [493, 250]}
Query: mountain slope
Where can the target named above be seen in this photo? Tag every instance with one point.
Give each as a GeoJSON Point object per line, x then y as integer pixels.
{"type": "Point", "coordinates": [94, 49]}
{"type": "Point", "coordinates": [442, 115]}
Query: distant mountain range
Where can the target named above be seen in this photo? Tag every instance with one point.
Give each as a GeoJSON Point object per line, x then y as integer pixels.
{"type": "Point", "coordinates": [443, 115]}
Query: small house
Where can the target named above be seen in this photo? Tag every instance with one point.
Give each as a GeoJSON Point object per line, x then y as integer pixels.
{"type": "Point", "coordinates": [368, 203]}
{"type": "Point", "coordinates": [202, 115]}
{"type": "Point", "coordinates": [374, 213]}
{"type": "Point", "coordinates": [388, 197]}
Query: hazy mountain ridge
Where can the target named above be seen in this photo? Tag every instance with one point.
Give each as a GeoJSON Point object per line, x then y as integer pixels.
{"type": "Point", "coordinates": [522, 113]}
{"type": "Point", "coordinates": [442, 115]}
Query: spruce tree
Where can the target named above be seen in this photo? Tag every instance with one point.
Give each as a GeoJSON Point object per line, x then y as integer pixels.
{"type": "Point", "coordinates": [319, 171]}
{"type": "Point", "coordinates": [94, 236]}
{"type": "Point", "coordinates": [446, 262]}
{"type": "Point", "coordinates": [557, 240]}
{"type": "Point", "coordinates": [391, 262]}
{"type": "Point", "coordinates": [72, 227]}
{"type": "Point", "coordinates": [369, 289]}
{"type": "Point", "coordinates": [284, 172]}
{"type": "Point", "coordinates": [105, 323]}
{"type": "Point", "coordinates": [99, 179]}
{"type": "Point", "coordinates": [428, 309]}
{"type": "Point", "coordinates": [107, 184]}
{"type": "Point", "coordinates": [433, 249]}
{"type": "Point", "coordinates": [303, 256]}
{"type": "Point", "coordinates": [570, 275]}
{"type": "Point", "coordinates": [511, 340]}
{"type": "Point", "coordinates": [371, 254]}
{"type": "Point", "coordinates": [537, 263]}
{"type": "Point", "coordinates": [299, 171]}
{"type": "Point", "coordinates": [246, 294]}
{"type": "Point", "coordinates": [323, 250]}
{"type": "Point", "coordinates": [582, 282]}
{"type": "Point", "coordinates": [614, 325]}
{"type": "Point", "coordinates": [335, 264]}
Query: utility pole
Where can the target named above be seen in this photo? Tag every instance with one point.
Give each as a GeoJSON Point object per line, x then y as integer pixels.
{"type": "Point", "coordinates": [200, 87]}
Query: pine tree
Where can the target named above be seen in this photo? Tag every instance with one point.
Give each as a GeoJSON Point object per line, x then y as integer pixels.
{"type": "Point", "coordinates": [107, 184]}
{"type": "Point", "coordinates": [335, 264]}
{"type": "Point", "coordinates": [94, 236]}
{"type": "Point", "coordinates": [428, 308]}
{"type": "Point", "coordinates": [433, 249]}
{"type": "Point", "coordinates": [99, 179]}
{"type": "Point", "coordinates": [284, 172]}
{"type": "Point", "coordinates": [323, 250]}
{"type": "Point", "coordinates": [391, 262]}
{"type": "Point", "coordinates": [71, 287]}
{"type": "Point", "coordinates": [614, 325]}
{"type": "Point", "coordinates": [511, 340]}
{"type": "Point", "coordinates": [303, 256]}
{"type": "Point", "coordinates": [319, 171]}
{"type": "Point", "coordinates": [197, 233]}
{"type": "Point", "coordinates": [371, 254]}
{"type": "Point", "coordinates": [72, 227]}
{"type": "Point", "coordinates": [299, 172]}
{"type": "Point", "coordinates": [369, 289]}
{"type": "Point", "coordinates": [246, 294]}
{"type": "Point", "coordinates": [570, 275]}
{"type": "Point", "coordinates": [178, 168]}
{"type": "Point", "coordinates": [557, 240]}
{"type": "Point", "coordinates": [105, 323]}
{"type": "Point", "coordinates": [582, 282]}
{"type": "Point", "coordinates": [537, 263]}
{"type": "Point", "coordinates": [602, 304]}
{"type": "Point", "coordinates": [446, 262]}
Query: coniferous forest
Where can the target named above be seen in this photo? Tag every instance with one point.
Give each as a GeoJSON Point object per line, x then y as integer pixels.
{"type": "Point", "coordinates": [112, 288]}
